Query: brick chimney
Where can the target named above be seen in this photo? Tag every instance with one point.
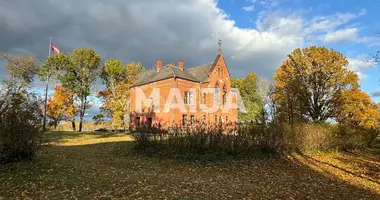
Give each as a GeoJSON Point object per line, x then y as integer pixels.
{"type": "Point", "coordinates": [171, 64]}
{"type": "Point", "coordinates": [159, 65]}
{"type": "Point", "coordinates": [180, 65]}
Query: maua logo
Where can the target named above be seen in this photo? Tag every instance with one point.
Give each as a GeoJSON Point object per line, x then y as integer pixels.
{"type": "Point", "coordinates": [209, 100]}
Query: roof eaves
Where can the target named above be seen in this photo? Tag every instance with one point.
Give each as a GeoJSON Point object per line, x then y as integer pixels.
{"type": "Point", "coordinates": [152, 81]}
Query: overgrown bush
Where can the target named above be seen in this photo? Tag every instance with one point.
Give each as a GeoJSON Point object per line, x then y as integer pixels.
{"type": "Point", "coordinates": [199, 138]}
{"type": "Point", "coordinates": [354, 137]}
{"type": "Point", "coordinates": [310, 137]}
{"type": "Point", "coordinates": [20, 127]}
{"type": "Point", "coordinates": [252, 137]}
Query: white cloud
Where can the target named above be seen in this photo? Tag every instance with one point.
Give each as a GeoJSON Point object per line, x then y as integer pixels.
{"type": "Point", "coordinates": [360, 65]}
{"type": "Point", "coordinates": [376, 94]}
{"type": "Point", "coordinates": [349, 35]}
{"type": "Point", "coordinates": [330, 22]}
{"type": "Point", "coordinates": [249, 8]}
{"type": "Point", "coordinates": [341, 35]}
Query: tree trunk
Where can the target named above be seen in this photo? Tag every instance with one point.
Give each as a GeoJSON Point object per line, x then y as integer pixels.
{"type": "Point", "coordinates": [73, 123]}
{"type": "Point", "coordinates": [126, 119]}
{"type": "Point", "coordinates": [81, 121]}
{"type": "Point", "coordinates": [74, 114]}
{"type": "Point", "coordinates": [82, 111]}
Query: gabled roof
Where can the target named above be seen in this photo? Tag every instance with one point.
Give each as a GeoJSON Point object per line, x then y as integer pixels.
{"type": "Point", "coordinates": [166, 72]}
{"type": "Point", "coordinates": [201, 72]}
{"type": "Point", "coordinates": [196, 74]}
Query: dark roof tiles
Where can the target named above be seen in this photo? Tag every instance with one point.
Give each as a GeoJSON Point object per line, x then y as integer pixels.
{"type": "Point", "coordinates": [197, 74]}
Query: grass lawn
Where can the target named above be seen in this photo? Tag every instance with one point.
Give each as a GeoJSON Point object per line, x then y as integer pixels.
{"type": "Point", "coordinates": [104, 166]}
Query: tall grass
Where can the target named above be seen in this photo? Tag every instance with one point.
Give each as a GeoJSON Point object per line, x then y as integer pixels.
{"type": "Point", "coordinates": [201, 138]}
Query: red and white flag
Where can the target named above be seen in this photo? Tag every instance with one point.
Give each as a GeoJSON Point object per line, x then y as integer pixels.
{"type": "Point", "coordinates": [54, 48]}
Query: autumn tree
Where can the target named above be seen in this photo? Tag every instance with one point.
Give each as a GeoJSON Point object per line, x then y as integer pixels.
{"type": "Point", "coordinates": [357, 109]}
{"type": "Point", "coordinates": [118, 78]}
{"type": "Point", "coordinates": [249, 95]}
{"type": "Point", "coordinates": [60, 106]}
{"type": "Point", "coordinates": [48, 72]}
{"type": "Point", "coordinates": [58, 67]}
{"type": "Point", "coordinates": [309, 83]}
{"type": "Point", "coordinates": [79, 75]}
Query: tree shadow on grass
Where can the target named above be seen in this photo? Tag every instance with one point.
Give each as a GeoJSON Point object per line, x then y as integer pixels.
{"type": "Point", "coordinates": [313, 160]}
{"type": "Point", "coordinates": [196, 157]}
{"type": "Point", "coordinates": [120, 171]}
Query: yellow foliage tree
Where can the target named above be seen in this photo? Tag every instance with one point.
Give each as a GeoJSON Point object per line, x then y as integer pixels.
{"type": "Point", "coordinates": [118, 78]}
{"type": "Point", "coordinates": [357, 109]}
{"type": "Point", "coordinates": [309, 82]}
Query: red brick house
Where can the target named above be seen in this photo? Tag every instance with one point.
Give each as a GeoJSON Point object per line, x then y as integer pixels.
{"type": "Point", "coordinates": [214, 76]}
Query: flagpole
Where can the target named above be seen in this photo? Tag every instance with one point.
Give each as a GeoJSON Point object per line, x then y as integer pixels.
{"type": "Point", "coordinates": [49, 46]}
{"type": "Point", "coordinates": [46, 94]}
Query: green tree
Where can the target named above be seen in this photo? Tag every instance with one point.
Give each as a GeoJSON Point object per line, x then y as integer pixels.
{"type": "Point", "coordinates": [79, 76]}
{"type": "Point", "coordinates": [309, 82]}
{"type": "Point", "coordinates": [47, 73]}
{"type": "Point", "coordinates": [59, 67]}
{"type": "Point", "coordinates": [249, 95]}
{"type": "Point", "coordinates": [118, 78]}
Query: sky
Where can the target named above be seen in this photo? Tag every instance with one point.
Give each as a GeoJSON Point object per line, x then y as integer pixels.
{"type": "Point", "coordinates": [256, 35]}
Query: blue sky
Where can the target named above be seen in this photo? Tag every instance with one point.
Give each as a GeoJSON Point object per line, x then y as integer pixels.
{"type": "Point", "coordinates": [246, 14]}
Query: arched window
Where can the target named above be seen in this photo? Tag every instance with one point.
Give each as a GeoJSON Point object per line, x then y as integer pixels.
{"type": "Point", "coordinates": [217, 93]}
{"type": "Point", "coordinates": [224, 95]}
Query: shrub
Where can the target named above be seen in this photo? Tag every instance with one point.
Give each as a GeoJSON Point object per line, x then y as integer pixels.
{"type": "Point", "coordinates": [355, 137]}
{"type": "Point", "coordinates": [199, 138]}
{"type": "Point", "coordinates": [252, 137]}
{"type": "Point", "coordinates": [20, 127]}
{"type": "Point", "coordinates": [310, 137]}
